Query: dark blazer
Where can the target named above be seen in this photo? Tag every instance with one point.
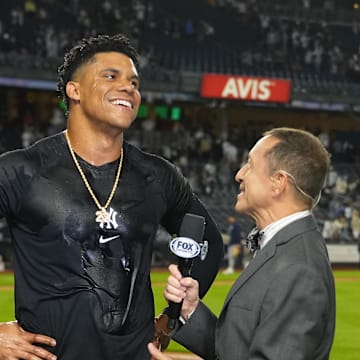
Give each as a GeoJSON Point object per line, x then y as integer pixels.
{"type": "Point", "coordinates": [282, 306]}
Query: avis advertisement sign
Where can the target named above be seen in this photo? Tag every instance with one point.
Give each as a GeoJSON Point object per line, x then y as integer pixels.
{"type": "Point", "coordinates": [245, 88]}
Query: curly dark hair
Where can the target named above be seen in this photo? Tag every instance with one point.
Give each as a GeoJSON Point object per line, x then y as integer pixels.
{"type": "Point", "coordinates": [84, 51]}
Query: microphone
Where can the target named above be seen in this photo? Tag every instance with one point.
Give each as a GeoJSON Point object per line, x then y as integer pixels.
{"type": "Point", "coordinates": [186, 247]}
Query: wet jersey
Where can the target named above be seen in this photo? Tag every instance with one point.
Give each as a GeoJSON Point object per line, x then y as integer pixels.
{"type": "Point", "coordinates": [87, 284]}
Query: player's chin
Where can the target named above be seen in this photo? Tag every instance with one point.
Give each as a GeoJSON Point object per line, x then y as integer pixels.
{"type": "Point", "coordinates": [123, 123]}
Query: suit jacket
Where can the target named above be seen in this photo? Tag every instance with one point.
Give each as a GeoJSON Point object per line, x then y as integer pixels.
{"type": "Point", "coordinates": [282, 306]}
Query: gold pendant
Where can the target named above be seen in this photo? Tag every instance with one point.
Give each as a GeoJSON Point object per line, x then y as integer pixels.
{"type": "Point", "coordinates": [102, 216]}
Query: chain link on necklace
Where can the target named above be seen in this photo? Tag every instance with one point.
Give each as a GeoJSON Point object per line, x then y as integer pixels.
{"type": "Point", "coordinates": [102, 215]}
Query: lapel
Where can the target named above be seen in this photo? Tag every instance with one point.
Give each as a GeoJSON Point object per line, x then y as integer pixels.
{"type": "Point", "coordinates": [285, 235]}
{"type": "Point", "coordinates": [255, 264]}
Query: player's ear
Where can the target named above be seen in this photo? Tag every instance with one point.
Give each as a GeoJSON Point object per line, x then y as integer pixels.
{"type": "Point", "coordinates": [72, 90]}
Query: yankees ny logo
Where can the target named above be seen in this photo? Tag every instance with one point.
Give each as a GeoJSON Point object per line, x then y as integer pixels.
{"type": "Point", "coordinates": [111, 223]}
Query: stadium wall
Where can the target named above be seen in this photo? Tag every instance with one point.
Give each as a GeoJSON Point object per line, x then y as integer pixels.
{"type": "Point", "coordinates": [346, 254]}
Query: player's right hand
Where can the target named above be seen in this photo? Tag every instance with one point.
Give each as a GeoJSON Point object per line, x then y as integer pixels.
{"type": "Point", "coordinates": [16, 343]}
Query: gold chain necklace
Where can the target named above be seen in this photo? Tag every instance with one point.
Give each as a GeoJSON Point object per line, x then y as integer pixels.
{"type": "Point", "coordinates": [102, 215]}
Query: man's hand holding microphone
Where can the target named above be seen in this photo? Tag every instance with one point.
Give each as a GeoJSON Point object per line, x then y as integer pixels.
{"type": "Point", "coordinates": [182, 289]}
{"type": "Point", "coordinates": [179, 289]}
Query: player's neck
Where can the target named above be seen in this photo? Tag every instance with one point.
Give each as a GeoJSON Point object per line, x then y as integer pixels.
{"type": "Point", "coordinates": [97, 148]}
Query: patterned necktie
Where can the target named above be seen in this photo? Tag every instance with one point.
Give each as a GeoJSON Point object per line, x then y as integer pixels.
{"type": "Point", "coordinates": [253, 239]}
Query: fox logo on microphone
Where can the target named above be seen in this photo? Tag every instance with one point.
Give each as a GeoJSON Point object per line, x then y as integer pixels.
{"type": "Point", "coordinates": [185, 247]}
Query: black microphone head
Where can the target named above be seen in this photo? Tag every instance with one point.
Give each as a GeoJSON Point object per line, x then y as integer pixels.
{"type": "Point", "coordinates": [193, 227]}
{"type": "Point", "coordinates": [186, 247]}
{"type": "Point", "coordinates": [187, 244]}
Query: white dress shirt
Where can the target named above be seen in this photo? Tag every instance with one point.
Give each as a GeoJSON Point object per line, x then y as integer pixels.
{"type": "Point", "coordinates": [270, 230]}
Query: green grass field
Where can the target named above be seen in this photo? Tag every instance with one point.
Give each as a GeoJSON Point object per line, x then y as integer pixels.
{"type": "Point", "coordinates": [346, 345]}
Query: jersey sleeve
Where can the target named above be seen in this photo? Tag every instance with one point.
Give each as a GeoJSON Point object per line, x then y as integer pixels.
{"type": "Point", "coordinates": [14, 178]}
{"type": "Point", "coordinates": [182, 200]}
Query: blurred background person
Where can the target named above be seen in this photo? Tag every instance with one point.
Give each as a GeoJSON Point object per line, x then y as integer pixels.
{"type": "Point", "coordinates": [234, 246]}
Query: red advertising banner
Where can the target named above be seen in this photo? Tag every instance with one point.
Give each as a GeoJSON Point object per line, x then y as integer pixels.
{"type": "Point", "coordinates": [245, 88]}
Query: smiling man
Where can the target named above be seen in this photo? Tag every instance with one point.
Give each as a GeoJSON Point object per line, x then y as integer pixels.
{"type": "Point", "coordinates": [83, 207]}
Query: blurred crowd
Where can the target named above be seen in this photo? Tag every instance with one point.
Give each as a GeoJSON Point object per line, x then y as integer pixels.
{"type": "Point", "coordinates": [255, 33]}
{"type": "Point", "coordinates": [210, 161]}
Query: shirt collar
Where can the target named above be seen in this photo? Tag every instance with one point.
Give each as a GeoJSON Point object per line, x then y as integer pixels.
{"type": "Point", "coordinates": [273, 228]}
